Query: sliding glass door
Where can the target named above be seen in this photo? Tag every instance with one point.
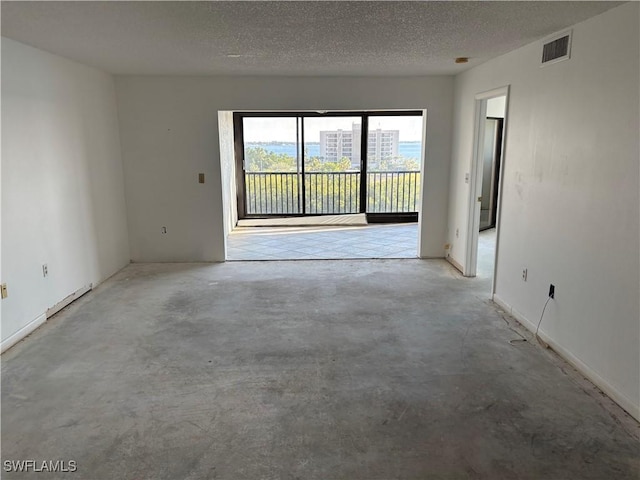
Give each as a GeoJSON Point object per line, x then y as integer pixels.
{"type": "Point", "coordinates": [320, 164]}
{"type": "Point", "coordinates": [331, 161]}
{"type": "Point", "coordinates": [394, 154]}
{"type": "Point", "coordinates": [272, 166]}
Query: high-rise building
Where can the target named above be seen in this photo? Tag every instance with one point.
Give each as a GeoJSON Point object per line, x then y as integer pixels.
{"type": "Point", "coordinates": [338, 144]}
{"type": "Point", "coordinates": [382, 145]}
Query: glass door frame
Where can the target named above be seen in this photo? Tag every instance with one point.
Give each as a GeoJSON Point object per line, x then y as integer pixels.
{"type": "Point", "coordinates": [238, 128]}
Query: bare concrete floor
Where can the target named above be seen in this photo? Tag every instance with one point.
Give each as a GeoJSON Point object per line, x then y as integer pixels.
{"type": "Point", "coordinates": [363, 369]}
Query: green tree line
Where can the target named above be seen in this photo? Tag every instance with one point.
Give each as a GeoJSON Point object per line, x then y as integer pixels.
{"type": "Point", "coordinates": [258, 159]}
{"type": "Point", "coordinates": [274, 186]}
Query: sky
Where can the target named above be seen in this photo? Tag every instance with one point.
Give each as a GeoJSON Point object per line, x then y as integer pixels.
{"type": "Point", "coordinates": [283, 129]}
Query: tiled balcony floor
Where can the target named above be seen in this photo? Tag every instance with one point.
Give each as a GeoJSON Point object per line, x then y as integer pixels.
{"type": "Point", "coordinates": [328, 242]}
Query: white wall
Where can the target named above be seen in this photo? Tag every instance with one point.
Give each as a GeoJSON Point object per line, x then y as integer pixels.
{"type": "Point", "coordinates": [570, 205]}
{"type": "Point", "coordinates": [62, 183]}
{"type": "Point", "coordinates": [169, 132]}
{"type": "Point", "coordinates": [228, 162]}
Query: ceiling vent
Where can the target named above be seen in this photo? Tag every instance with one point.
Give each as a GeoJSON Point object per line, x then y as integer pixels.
{"type": "Point", "coordinates": [557, 48]}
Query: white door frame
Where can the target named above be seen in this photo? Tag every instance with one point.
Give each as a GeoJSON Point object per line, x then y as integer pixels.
{"type": "Point", "coordinates": [423, 178]}
{"type": "Point", "coordinates": [475, 183]}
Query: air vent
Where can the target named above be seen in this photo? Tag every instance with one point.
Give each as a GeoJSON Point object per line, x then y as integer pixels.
{"type": "Point", "coordinates": [557, 49]}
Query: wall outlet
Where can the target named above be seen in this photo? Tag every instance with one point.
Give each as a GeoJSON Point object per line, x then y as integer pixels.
{"type": "Point", "coordinates": [3, 291]}
{"type": "Point", "coordinates": [45, 270]}
{"type": "Point", "coordinates": [163, 230]}
{"type": "Point", "coordinates": [525, 273]}
{"type": "Point", "coordinates": [552, 290]}
{"type": "Point", "coordinates": [457, 232]}
{"type": "Point", "coordinates": [447, 246]}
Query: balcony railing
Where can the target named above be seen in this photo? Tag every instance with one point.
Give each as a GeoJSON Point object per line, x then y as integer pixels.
{"type": "Point", "coordinates": [393, 192]}
{"type": "Point", "coordinates": [332, 192]}
{"type": "Point", "coordinates": [280, 193]}
{"type": "Point", "coordinates": [273, 193]}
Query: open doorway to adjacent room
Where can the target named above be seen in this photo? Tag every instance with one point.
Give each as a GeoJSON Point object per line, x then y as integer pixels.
{"type": "Point", "coordinates": [491, 110]}
{"type": "Point", "coordinates": [327, 185]}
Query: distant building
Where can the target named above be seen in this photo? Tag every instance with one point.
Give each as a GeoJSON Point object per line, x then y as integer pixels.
{"type": "Point", "coordinates": [382, 144]}
{"type": "Point", "coordinates": [338, 144]}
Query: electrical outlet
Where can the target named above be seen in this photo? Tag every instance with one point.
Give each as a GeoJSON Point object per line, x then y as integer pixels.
{"type": "Point", "coordinates": [3, 291]}
{"type": "Point", "coordinates": [525, 273]}
{"type": "Point", "coordinates": [45, 270]}
{"type": "Point", "coordinates": [552, 290]}
{"type": "Point", "coordinates": [447, 246]}
{"type": "Point", "coordinates": [457, 232]}
{"type": "Point", "coordinates": [163, 230]}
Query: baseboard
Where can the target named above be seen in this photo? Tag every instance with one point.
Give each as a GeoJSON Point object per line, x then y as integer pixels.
{"type": "Point", "coordinates": [454, 263]}
{"type": "Point", "coordinates": [32, 325]}
{"type": "Point", "coordinates": [68, 299]}
{"type": "Point", "coordinates": [613, 393]}
{"type": "Point", "coordinates": [23, 332]}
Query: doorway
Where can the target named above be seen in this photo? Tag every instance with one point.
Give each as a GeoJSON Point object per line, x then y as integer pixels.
{"type": "Point", "coordinates": [491, 157]}
{"type": "Point", "coordinates": [337, 184]}
{"type": "Point", "coordinates": [485, 189]}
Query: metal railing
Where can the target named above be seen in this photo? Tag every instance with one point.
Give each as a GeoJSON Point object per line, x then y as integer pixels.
{"type": "Point", "coordinates": [272, 193]}
{"type": "Point", "coordinates": [332, 192]}
{"type": "Point", "coordinates": [280, 193]}
{"type": "Point", "coordinates": [393, 192]}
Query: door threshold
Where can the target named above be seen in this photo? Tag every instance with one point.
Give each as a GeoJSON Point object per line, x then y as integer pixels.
{"type": "Point", "coordinates": [359, 219]}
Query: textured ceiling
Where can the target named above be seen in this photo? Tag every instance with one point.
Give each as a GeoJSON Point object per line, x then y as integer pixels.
{"type": "Point", "coordinates": [287, 38]}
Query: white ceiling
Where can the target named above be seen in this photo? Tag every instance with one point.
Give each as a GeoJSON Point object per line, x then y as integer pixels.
{"type": "Point", "coordinates": [287, 38]}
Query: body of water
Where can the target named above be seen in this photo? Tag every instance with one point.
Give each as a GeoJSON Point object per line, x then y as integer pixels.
{"type": "Point", "coordinates": [405, 149]}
